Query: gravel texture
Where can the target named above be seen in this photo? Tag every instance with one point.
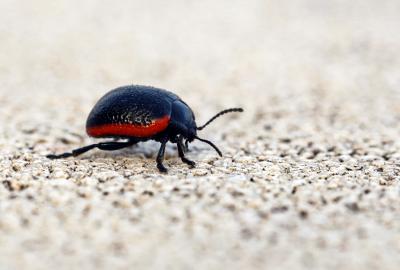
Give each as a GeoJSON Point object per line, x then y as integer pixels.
{"type": "Point", "coordinates": [310, 173]}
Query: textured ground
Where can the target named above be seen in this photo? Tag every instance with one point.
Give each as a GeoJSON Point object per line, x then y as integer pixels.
{"type": "Point", "coordinates": [310, 173]}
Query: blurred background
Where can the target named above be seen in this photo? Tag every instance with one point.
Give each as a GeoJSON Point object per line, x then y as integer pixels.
{"type": "Point", "coordinates": [199, 49]}
{"type": "Point", "coordinates": [190, 45]}
{"type": "Point", "coordinates": [320, 84]}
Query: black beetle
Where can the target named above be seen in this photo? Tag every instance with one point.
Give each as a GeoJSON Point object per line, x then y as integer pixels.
{"type": "Point", "coordinates": [140, 113]}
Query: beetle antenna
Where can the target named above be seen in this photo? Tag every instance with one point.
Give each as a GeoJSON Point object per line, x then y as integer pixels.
{"type": "Point", "coordinates": [219, 114]}
{"type": "Point", "coordinates": [210, 143]}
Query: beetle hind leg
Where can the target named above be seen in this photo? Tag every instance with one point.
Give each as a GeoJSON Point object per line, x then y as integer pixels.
{"type": "Point", "coordinates": [107, 146]}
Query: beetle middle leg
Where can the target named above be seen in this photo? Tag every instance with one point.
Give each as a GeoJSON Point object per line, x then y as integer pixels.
{"type": "Point", "coordinates": [107, 146]}
{"type": "Point", "coordinates": [160, 156]}
{"type": "Point", "coordinates": [181, 152]}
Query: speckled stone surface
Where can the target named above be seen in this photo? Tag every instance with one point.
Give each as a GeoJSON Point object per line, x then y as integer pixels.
{"type": "Point", "coordinates": [310, 173]}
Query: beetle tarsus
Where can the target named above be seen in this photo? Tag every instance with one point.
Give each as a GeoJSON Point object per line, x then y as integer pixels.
{"type": "Point", "coordinates": [189, 162]}
{"type": "Point", "coordinates": [64, 155]}
{"type": "Point", "coordinates": [161, 168]}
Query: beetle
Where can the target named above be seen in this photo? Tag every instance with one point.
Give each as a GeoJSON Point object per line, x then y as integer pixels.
{"type": "Point", "coordinates": [138, 113]}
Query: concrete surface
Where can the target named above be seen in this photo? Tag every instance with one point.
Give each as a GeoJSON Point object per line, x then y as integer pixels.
{"type": "Point", "coordinates": [310, 173]}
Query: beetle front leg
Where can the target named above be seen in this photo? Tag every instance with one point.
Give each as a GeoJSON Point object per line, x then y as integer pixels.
{"type": "Point", "coordinates": [160, 156]}
{"type": "Point", "coordinates": [181, 153]}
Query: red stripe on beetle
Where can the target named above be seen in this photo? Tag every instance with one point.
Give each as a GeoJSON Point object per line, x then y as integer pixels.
{"type": "Point", "coordinates": [128, 129]}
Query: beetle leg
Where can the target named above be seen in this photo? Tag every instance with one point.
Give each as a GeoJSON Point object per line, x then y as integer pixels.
{"type": "Point", "coordinates": [181, 153]}
{"type": "Point", "coordinates": [160, 156]}
{"type": "Point", "coordinates": [186, 146]}
{"type": "Point", "coordinates": [107, 146]}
